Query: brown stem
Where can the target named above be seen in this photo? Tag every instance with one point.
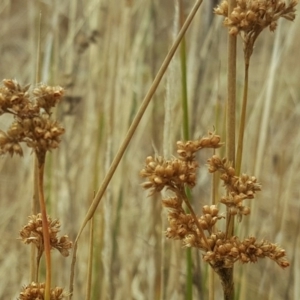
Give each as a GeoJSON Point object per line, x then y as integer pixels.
{"type": "Point", "coordinates": [211, 274]}
{"type": "Point", "coordinates": [46, 237]}
{"type": "Point", "coordinates": [230, 113]}
{"type": "Point", "coordinates": [34, 260]}
{"type": "Point", "coordinates": [90, 262]}
{"type": "Point", "coordinates": [239, 153]}
{"type": "Point", "coordinates": [225, 275]}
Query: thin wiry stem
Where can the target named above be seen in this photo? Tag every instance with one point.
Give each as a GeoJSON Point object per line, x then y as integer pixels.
{"type": "Point", "coordinates": [90, 262]}
{"type": "Point", "coordinates": [34, 267]}
{"type": "Point", "coordinates": [186, 135]}
{"type": "Point", "coordinates": [186, 132]}
{"type": "Point", "coordinates": [211, 273]}
{"type": "Point", "coordinates": [34, 262]}
{"type": "Point", "coordinates": [46, 236]}
{"type": "Point", "coordinates": [130, 133]}
{"type": "Point", "coordinates": [230, 138]}
{"type": "Point", "coordinates": [186, 201]}
{"type": "Point", "coordinates": [239, 152]}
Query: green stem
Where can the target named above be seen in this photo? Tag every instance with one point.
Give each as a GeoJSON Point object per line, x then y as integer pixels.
{"type": "Point", "coordinates": [41, 164]}
{"type": "Point", "coordinates": [185, 119]}
{"type": "Point", "coordinates": [186, 134]}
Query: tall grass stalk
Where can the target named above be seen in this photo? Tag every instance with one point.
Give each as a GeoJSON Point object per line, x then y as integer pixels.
{"type": "Point", "coordinates": [228, 286]}
{"type": "Point", "coordinates": [90, 261]}
{"type": "Point", "coordinates": [264, 120]}
{"type": "Point", "coordinates": [46, 240]}
{"type": "Point", "coordinates": [186, 136]}
{"type": "Point", "coordinates": [129, 135]}
{"type": "Point", "coordinates": [239, 152]}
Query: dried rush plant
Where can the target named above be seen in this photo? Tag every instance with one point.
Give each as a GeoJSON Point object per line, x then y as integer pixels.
{"type": "Point", "coordinates": [33, 126]}
{"type": "Point", "coordinates": [221, 250]}
{"type": "Point", "coordinates": [248, 19]}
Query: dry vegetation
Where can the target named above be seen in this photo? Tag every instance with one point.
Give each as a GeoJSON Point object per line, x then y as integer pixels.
{"type": "Point", "coordinates": [106, 54]}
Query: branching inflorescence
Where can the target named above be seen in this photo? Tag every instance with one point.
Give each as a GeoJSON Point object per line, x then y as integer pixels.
{"type": "Point", "coordinates": [33, 233]}
{"type": "Point", "coordinates": [250, 17]}
{"type": "Point", "coordinates": [32, 122]}
{"type": "Point", "coordinates": [33, 126]}
{"type": "Point", "coordinates": [36, 291]}
{"type": "Point", "coordinates": [201, 232]}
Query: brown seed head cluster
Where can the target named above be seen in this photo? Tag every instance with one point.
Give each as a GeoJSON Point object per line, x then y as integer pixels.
{"type": "Point", "coordinates": [175, 173]}
{"type": "Point", "coordinates": [221, 251]}
{"type": "Point", "coordinates": [172, 174]}
{"type": "Point", "coordinates": [32, 122]}
{"type": "Point", "coordinates": [225, 252]}
{"type": "Point", "coordinates": [250, 17]}
{"type": "Point", "coordinates": [33, 233]}
{"type": "Point", "coordinates": [182, 226]}
{"type": "Point", "coordinates": [35, 291]}
{"type": "Point", "coordinates": [238, 188]}
{"type": "Point", "coordinates": [187, 150]}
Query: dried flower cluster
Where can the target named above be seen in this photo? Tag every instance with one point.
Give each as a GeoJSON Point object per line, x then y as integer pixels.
{"type": "Point", "coordinates": [250, 17]}
{"type": "Point", "coordinates": [238, 188]}
{"type": "Point", "coordinates": [176, 173]}
{"type": "Point", "coordinates": [183, 226]}
{"type": "Point", "coordinates": [32, 122]}
{"type": "Point", "coordinates": [35, 291]}
{"type": "Point", "coordinates": [220, 251]}
{"type": "Point", "coordinates": [33, 233]}
{"type": "Point", "coordinates": [225, 252]}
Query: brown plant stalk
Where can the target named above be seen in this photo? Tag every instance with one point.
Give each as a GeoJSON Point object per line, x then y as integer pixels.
{"type": "Point", "coordinates": [32, 125]}
{"type": "Point", "coordinates": [41, 164]}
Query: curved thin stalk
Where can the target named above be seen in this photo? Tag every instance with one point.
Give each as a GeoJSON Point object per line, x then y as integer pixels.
{"type": "Point", "coordinates": [130, 133]}
{"type": "Point", "coordinates": [90, 262]}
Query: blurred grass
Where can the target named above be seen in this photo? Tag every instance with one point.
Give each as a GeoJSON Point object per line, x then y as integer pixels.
{"type": "Point", "coordinates": [106, 81]}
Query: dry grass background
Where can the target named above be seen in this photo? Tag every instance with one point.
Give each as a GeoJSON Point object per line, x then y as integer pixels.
{"type": "Point", "coordinates": [106, 77]}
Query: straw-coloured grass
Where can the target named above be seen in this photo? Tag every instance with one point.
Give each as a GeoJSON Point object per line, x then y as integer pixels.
{"type": "Point", "coordinates": [105, 55]}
